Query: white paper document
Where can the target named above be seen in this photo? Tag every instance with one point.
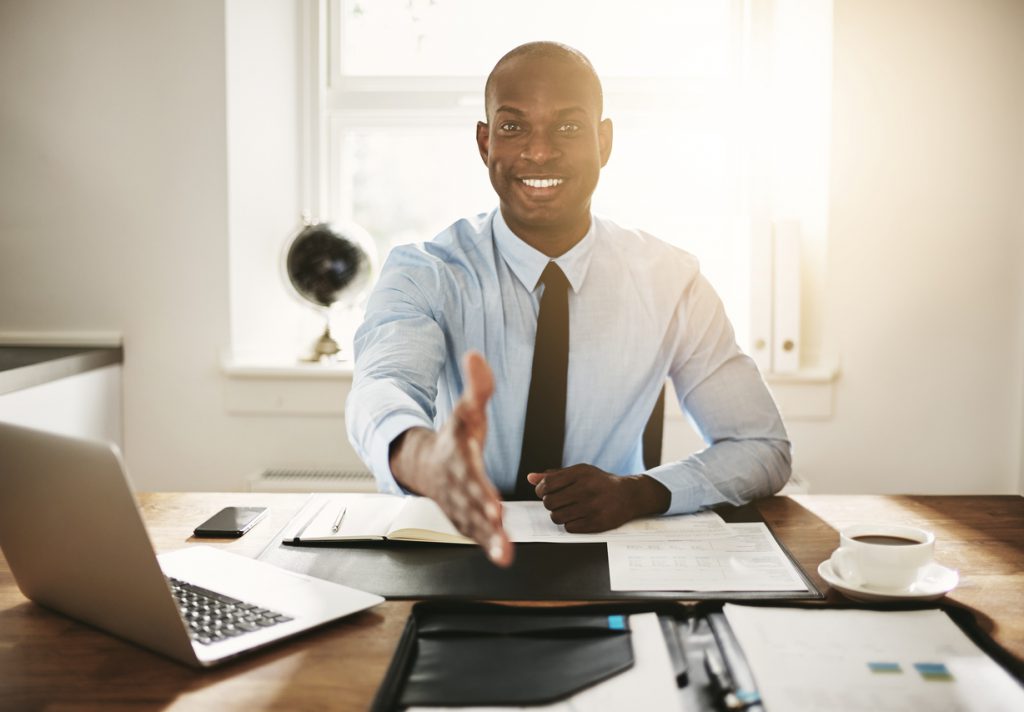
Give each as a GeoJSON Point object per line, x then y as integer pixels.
{"type": "Point", "coordinates": [734, 557]}
{"type": "Point", "coordinates": [648, 685]}
{"type": "Point", "coordinates": [875, 661]}
{"type": "Point", "coordinates": [531, 522]}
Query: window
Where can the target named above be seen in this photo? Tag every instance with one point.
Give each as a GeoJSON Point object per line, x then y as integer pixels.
{"type": "Point", "coordinates": [721, 113]}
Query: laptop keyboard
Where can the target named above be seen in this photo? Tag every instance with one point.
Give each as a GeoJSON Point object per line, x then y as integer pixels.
{"type": "Point", "coordinates": [212, 617]}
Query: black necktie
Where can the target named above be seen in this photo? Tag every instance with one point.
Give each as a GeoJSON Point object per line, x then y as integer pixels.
{"type": "Point", "coordinates": [544, 432]}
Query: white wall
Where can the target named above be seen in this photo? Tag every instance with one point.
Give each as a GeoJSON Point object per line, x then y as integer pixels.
{"type": "Point", "coordinates": [113, 197]}
{"type": "Point", "coordinates": [925, 250]}
{"type": "Point", "coordinates": [114, 213]}
{"type": "Point", "coordinates": [1020, 440]}
{"type": "Point", "coordinates": [121, 193]}
{"type": "Point", "coordinates": [84, 405]}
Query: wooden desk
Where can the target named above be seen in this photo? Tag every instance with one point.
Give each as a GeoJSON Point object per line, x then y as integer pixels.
{"type": "Point", "coordinates": [50, 662]}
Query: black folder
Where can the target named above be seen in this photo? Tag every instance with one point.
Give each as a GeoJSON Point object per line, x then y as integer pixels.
{"type": "Point", "coordinates": [541, 571]}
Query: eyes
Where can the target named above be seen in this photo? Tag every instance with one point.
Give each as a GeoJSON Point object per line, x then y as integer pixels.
{"type": "Point", "coordinates": [566, 128]}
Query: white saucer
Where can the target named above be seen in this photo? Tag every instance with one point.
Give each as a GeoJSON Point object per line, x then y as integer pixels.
{"type": "Point", "coordinates": [934, 581]}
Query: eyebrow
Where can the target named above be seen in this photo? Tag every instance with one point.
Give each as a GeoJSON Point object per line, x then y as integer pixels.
{"type": "Point", "coordinates": [509, 110]}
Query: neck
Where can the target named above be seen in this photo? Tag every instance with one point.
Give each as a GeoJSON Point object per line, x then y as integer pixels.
{"type": "Point", "coordinates": [552, 240]}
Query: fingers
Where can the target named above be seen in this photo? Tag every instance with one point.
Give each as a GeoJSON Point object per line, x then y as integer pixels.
{"type": "Point", "coordinates": [478, 507]}
{"type": "Point", "coordinates": [481, 489]}
{"type": "Point", "coordinates": [499, 549]}
{"type": "Point", "coordinates": [581, 498]}
{"type": "Point", "coordinates": [478, 516]}
{"type": "Point", "coordinates": [478, 378]}
{"type": "Point", "coordinates": [469, 417]}
{"type": "Point", "coordinates": [552, 481]}
{"type": "Point", "coordinates": [570, 513]}
{"type": "Point", "coordinates": [565, 498]}
{"type": "Point", "coordinates": [474, 501]}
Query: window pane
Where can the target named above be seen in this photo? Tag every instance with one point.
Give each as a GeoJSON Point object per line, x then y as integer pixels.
{"type": "Point", "coordinates": [681, 185]}
{"type": "Point", "coordinates": [406, 185]}
{"type": "Point", "coordinates": [657, 38]}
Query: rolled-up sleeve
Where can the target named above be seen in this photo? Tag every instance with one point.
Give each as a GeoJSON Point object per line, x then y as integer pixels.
{"type": "Point", "coordinates": [399, 354]}
{"type": "Point", "coordinates": [748, 454]}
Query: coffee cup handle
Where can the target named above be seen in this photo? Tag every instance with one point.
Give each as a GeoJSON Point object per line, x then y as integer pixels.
{"type": "Point", "coordinates": [843, 566]}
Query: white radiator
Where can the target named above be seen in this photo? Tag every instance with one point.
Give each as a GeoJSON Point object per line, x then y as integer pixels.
{"type": "Point", "coordinates": [282, 480]}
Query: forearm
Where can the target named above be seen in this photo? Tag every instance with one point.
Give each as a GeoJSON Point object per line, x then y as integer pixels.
{"type": "Point", "coordinates": [647, 496]}
{"type": "Point", "coordinates": [408, 457]}
{"type": "Point", "coordinates": [376, 414]}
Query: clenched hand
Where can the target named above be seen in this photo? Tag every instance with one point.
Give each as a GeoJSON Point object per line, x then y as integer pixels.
{"type": "Point", "coordinates": [587, 499]}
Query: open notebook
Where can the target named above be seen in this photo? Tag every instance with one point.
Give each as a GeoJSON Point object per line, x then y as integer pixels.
{"type": "Point", "coordinates": [363, 517]}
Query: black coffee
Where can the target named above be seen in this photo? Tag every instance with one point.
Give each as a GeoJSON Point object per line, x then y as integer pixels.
{"type": "Point", "coordinates": [886, 540]}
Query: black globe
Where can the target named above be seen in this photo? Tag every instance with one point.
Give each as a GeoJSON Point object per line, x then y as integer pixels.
{"type": "Point", "coordinates": [323, 264]}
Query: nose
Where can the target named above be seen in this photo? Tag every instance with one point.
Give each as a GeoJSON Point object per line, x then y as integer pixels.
{"type": "Point", "coordinates": [540, 148]}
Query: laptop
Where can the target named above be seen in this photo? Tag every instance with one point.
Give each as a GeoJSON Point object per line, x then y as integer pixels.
{"type": "Point", "coordinates": [72, 535]}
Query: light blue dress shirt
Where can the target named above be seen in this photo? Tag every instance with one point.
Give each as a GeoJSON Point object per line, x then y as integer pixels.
{"type": "Point", "coordinates": [640, 312]}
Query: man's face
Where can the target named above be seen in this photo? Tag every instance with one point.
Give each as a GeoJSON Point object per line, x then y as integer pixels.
{"type": "Point", "coordinates": [544, 146]}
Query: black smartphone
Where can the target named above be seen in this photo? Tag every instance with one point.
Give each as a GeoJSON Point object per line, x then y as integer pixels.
{"type": "Point", "coordinates": [230, 522]}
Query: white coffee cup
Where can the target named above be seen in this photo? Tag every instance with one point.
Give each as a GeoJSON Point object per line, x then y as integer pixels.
{"type": "Point", "coordinates": [883, 556]}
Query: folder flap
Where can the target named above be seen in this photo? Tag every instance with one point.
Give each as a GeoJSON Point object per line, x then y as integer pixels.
{"type": "Point", "coordinates": [517, 624]}
{"type": "Point", "coordinates": [480, 654]}
{"type": "Point", "coordinates": [494, 669]}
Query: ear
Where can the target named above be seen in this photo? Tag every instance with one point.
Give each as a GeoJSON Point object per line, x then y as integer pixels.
{"type": "Point", "coordinates": [483, 139]}
{"type": "Point", "coordinates": [604, 138]}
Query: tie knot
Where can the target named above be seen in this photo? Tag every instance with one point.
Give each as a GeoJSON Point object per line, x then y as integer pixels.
{"type": "Point", "coordinates": [554, 278]}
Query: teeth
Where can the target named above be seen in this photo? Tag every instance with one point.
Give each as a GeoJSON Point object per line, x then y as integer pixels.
{"type": "Point", "coordinates": [542, 182]}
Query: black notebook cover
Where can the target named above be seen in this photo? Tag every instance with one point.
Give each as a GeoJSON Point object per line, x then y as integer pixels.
{"type": "Point", "coordinates": [541, 571]}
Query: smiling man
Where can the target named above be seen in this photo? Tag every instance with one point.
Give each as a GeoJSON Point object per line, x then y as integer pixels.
{"type": "Point", "coordinates": [566, 327]}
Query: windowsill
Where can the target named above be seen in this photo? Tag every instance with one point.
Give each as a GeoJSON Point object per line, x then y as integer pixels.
{"type": "Point", "coordinates": [263, 385]}
{"type": "Point", "coordinates": [281, 386]}
{"type": "Point", "coordinates": [274, 368]}
{"type": "Point", "coordinates": [815, 375]}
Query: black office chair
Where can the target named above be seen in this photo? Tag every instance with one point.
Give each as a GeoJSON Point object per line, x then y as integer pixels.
{"type": "Point", "coordinates": [653, 432]}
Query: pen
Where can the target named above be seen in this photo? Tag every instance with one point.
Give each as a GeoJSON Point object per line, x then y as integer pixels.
{"type": "Point", "coordinates": [337, 521]}
{"type": "Point", "coordinates": [719, 675]}
{"type": "Point", "coordinates": [737, 693]}
{"type": "Point", "coordinates": [676, 652]}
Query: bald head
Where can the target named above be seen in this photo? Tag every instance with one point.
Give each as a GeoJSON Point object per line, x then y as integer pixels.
{"type": "Point", "coordinates": [539, 54]}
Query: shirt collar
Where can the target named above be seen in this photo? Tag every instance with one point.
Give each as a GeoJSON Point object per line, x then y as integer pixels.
{"type": "Point", "coordinates": [527, 264]}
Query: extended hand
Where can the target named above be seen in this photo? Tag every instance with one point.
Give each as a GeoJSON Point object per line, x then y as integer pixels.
{"type": "Point", "coordinates": [448, 465]}
{"type": "Point", "coordinates": [587, 499]}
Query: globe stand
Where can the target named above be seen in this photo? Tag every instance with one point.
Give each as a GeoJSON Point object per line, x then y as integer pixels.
{"type": "Point", "coordinates": [324, 349]}
{"type": "Point", "coordinates": [328, 266]}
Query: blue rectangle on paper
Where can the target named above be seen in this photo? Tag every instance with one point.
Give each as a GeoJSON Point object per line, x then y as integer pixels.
{"type": "Point", "coordinates": [617, 622]}
{"type": "Point", "coordinates": [934, 671]}
{"type": "Point", "coordinates": [885, 667]}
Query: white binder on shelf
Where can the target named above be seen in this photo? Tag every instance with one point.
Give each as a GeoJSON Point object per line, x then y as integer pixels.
{"type": "Point", "coordinates": [759, 343]}
{"type": "Point", "coordinates": [786, 297]}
